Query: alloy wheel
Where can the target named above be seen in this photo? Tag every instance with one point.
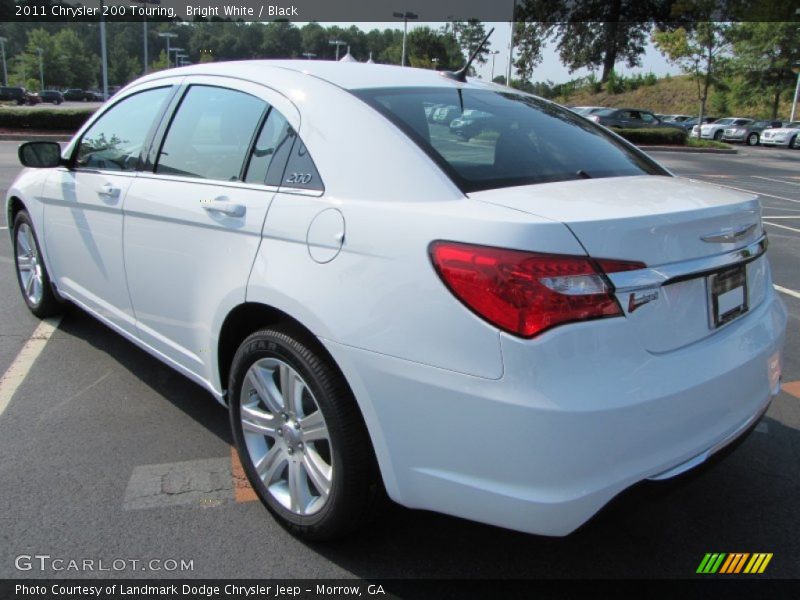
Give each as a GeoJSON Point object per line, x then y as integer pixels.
{"type": "Point", "coordinates": [286, 436]}
{"type": "Point", "coordinates": [29, 266]}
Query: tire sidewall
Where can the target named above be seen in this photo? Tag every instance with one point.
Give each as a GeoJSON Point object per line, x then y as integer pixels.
{"type": "Point", "coordinates": [752, 139]}
{"type": "Point", "coordinates": [273, 345]}
{"type": "Point", "coordinates": [23, 218]}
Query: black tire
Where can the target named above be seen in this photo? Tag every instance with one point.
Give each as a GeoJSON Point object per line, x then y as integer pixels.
{"type": "Point", "coordinates": [718, 135]}
{"type": "Point", "coordinates": [752, 139]}
{"type": "Point", "coordinates": [792, 143]}
{"type": "Point", "coordinates": [356, 491]}
{"type": "Point", "coordinates": [48, 305]}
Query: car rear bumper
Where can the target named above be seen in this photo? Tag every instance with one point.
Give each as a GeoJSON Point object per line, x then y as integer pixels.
{"type": "Point", "coordinates": [580, 414]}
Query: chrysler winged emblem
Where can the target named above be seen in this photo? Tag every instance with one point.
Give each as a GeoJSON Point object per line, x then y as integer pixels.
{"type": "Point", "coordinates": [726, 236]}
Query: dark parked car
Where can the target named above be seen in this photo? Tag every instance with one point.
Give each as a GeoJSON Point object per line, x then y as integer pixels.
{"type": "Point", "coordinates": [688, 124]}
{"type": "Point", "coordinates": [629, 118]}
{"type": "Point", "coordinates": [470, 123]}
{"type": "Point", "coordinates": [18, 95]}
{"type": "Point", "coordinates": [77, 95]}
{"type": "Point", "coordinates": [750, 132]}
{"type": "Point", "coordinates": [53, 96]}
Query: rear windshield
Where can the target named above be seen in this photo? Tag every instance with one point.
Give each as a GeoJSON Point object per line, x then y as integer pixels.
{"type": "Point", "coordinates": [487, 139]}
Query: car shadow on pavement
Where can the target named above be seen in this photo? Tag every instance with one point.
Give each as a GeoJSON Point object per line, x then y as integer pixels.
{"type": "Point", "coordinates": [737, 503]}
{"type": "Point", "coordinates": [742, 502]}
{"type": "Point", "coordinates": [190, 398]}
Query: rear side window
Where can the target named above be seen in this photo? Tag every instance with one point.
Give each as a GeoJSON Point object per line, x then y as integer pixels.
{"type": "Point", "coordinates": [115, 140]}
{"type": "Point", "coordinates": [271, 150]}
{"type": "Point", "coordinates": [210, 134]}
{"type": "Point", "coordinates": [494, 139]}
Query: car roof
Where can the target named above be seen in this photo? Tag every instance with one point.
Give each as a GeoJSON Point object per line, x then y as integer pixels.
{"type": "Point", "coordinates": [349, 76]}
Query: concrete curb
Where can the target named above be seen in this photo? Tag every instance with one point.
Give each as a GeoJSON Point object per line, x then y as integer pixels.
{"type": "Point", "coordinates": [689, 149]}
{"type": "Point", "coordinates": [35, 137]}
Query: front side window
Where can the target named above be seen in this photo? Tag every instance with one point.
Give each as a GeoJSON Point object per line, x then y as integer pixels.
{"type": "Point", "coordinates": [495, 139]}
{"type": "Point", "coordinates": [115, 140]}
{"type": "Point", "coordinates": [210, 134]}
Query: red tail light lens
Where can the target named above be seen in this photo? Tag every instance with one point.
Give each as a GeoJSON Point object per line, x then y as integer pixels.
{"type": "Point", "coordinates": [526, 293]}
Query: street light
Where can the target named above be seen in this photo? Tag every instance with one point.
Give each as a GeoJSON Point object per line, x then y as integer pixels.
{"type": "Point", "coordinates": [337, 43]}
{"type": "Point", "coordinates": [405, 16]}
{"type": "Point", "coordinates": [169, 36]}
{"type": "Point", "coordinates": [176, 51]}
{"type": "Point", "coordinates": [796, 69]}
{"type": "Point", "coordinates": [144, 4]}
{"type": "Point", "coordinates": [435, 62]}
{"type": "Point", "coordinates": [493, 53]}
{"type": "Point", "coordinates": [3, 50]}
{"type": "Point", "coordinates": [41, 69]}
{"type": "Point", "coordinates": [310, 55]}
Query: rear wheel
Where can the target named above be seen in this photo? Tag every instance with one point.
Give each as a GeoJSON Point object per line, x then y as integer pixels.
{"type": "Point", "coordinates": [32, 276]}
{"type": "Point", "coordinates": [718, 135]}
{"type": "Point", "coordinates": [793, 142]}
{"type": "Point", "coordinates": [752, 139]}
{"type": "Point", "coordinates": [300, 436]}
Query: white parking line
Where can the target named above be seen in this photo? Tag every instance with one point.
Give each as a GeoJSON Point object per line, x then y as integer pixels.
{"type": "Point", "coordinates": [787, 291]}
{"type": "Point", "coordinates": [3, 227]}
{"type": "Point", "coordinates": [773, 179]}
{"type": "Point", "coordinates": [22, 364]}
{"type": "Point", "coordinates": [782, 226]}
{"type": "Point", "coordinates": [730, 187]}
{"type": "Point", "coordinates": [780, 217]}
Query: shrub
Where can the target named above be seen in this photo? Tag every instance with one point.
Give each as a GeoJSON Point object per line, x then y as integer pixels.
{"type": "Point", "coordinates": [614, 85]}
{"type": "Point", "coordinates": [662, 136]}
{"type": "Point", "coordinates": [650, 79]}
{"type": "Point", "coordinates": [47, 119]}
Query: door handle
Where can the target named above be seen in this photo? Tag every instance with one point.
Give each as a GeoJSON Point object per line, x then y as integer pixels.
{"type": "Point", "coordinates": [222, 205]}
{"type": "Point", "coordinates": [108, 191]}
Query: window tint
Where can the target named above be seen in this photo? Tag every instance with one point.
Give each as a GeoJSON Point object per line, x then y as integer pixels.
{"type": "Point", "coordinates": [115, 140]}
{"type": "Point", "coordinates": [210, 134]}
{"type": "Point", "coordinates": [508, 139]}
{"type": "Point", "coordinates": [648, 118]}
{"type": "Point", "coordinates": [271, 150]}
{"type": "Point", "coordinates": [300, 170]}
{"type": "Point", "coordinates": [740, 122]}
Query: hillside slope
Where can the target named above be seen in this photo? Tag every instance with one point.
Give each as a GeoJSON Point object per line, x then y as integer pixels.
{"type": "Point", "coordinates": [674, 95]}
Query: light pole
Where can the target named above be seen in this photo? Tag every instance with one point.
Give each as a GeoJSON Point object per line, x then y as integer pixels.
{"type": "Point", "coordinates": [494, 53]}
{"type": "Point", "coordinates": [435, 62]}
{"type": "Point", "coordinates": [3, 50]}
{"type": "Point", "coordinates": [309, 55]}
{"type": "Point", "coordinates": [511, 43]}
{"type": "Point", "coordinates": [796, 69]}
{"type": "Point", "coordinates": [103, 56]}
{"type": "Point", "coordinates": [169, 36]}
{"type": "Point", "coordinates": [181, 59]}
{"type": "Point", "coordinates": [337, 43]}
{"type": "Point", "coordinates": [405, 16]}
{"type": "Point", "coordinates": [41, 69]}
{"type": "Point", "coordinates": [144, 4]}
{"type": "Point", "coordinates": [176, 51]}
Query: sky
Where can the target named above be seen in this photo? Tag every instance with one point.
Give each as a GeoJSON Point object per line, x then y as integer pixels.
{"type": "Point", "coordinates": [550, 68]}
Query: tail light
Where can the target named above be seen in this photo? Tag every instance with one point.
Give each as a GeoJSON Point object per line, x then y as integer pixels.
{"type": "Point", "coordinates": [526, 293]}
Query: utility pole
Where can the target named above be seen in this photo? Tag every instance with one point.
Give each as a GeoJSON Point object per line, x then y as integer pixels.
{"type": "Point", "coordinates": [169, 36]}
{"type": "Point", "coordinates": [796, 69]}
{"type": "Point", "coordinates": [3, 50]}
{"type": "Point", "coordinates": [405, 16]}
{"type": "Point", "coordinates": [494, 53]}
{"type": "Point", "coordinates": [337, 43]}
{"type": "Point", "coordinates": [41, 69]}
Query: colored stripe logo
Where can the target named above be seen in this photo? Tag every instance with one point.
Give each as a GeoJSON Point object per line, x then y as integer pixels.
{"type": "Point", "coordinates": [734, 563]}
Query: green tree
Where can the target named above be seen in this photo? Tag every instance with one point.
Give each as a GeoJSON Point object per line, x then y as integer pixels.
{"type": "Point", "coordinates": [593, 33]}
{"type": "Point", "coordinates": [699, 52]}
{"type": "Point", "coordinates": [470, 33]}
{"type": "Point", "coordinates": [529, 41]}
{"type": "Point", "coordinates": [764, 54]}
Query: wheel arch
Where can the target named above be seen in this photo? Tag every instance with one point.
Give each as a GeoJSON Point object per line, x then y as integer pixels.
{"type": "Point", "coordinates": [14, 206]}
{"type": "Point", "coordinates": [248, 317]}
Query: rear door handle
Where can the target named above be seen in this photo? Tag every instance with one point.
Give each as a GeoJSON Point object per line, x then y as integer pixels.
{"type": "Point", "coordinates": [108, 191]}
{"type": "Point", "coordinates": [221, 205]}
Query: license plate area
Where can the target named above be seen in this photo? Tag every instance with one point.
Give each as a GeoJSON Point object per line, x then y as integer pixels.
{"type": "Point", "coordinates": [727, 295]}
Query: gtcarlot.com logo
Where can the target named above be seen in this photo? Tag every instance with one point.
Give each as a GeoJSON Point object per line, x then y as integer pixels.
{"type": "Point", "coordinates": [734, 563]}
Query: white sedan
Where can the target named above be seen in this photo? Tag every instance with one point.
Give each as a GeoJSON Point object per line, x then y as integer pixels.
{"type": "Point", "coordinates": [715, 130]}
{"type": "Point", "coordinates": [787, 136]}
{"type": "Point", "coordinates": [512, 328]}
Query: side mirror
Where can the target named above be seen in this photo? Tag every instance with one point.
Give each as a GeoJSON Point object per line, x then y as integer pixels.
{"type": "Point", "coordinates": [40, 155]}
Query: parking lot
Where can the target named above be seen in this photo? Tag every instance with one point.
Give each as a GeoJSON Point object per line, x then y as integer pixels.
{"type": "Point", "coordinates": [106, 453]}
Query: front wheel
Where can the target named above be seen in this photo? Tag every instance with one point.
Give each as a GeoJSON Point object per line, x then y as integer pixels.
{"type": "Point", "coordinates": [718, 136]}
{"type": "Point", "coordinates": [32, 276]}
{"type": "Point", "coordinates": [300, 436]}
{"type": "Point", "coordinates": [752, 139]}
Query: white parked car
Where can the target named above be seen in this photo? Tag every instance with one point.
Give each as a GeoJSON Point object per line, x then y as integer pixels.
{"type": "Point", "coordinates": [715, 130]}
{"type": "Point", "coordinates": [511, 329]}
{"type": "Point", "coordinates": [787, 136]}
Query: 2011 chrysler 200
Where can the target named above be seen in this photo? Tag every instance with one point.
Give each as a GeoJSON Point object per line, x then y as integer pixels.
{"type": "Point", "coordinates": [511, 328]}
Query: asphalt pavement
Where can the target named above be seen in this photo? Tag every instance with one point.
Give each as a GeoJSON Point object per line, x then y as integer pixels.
{"type": "Point", "coordinates": [107, 454]}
